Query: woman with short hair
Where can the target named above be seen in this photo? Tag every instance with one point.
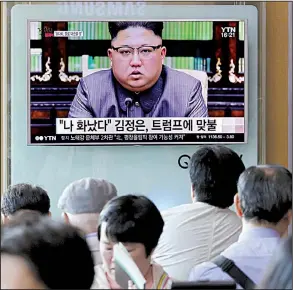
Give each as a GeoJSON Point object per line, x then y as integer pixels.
{"type": "Point", "coordinates": [135, 222]}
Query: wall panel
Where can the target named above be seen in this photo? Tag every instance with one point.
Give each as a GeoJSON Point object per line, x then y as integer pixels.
{"type": "Point", "coordinates": [277, 83]}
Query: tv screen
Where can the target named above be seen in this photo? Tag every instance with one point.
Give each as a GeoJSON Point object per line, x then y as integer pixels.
{"type": "Point", "coordinates": [137, 83]}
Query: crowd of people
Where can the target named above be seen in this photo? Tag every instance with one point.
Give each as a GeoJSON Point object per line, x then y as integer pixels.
{"type": "Point", "coordinates": [237, 228]}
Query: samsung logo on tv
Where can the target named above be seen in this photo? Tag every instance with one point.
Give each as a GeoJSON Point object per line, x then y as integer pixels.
{"type": "Point", "coordinates": [102, 8]}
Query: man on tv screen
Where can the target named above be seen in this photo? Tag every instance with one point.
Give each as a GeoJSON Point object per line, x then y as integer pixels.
{"type": "Point", "coordinates": [138, 84]}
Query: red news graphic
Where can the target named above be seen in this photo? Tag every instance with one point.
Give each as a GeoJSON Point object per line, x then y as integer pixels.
{"type": "Point", "coordinates": [49, 34]}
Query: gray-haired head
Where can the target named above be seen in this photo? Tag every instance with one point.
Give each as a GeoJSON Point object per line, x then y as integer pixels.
{"type": "Point", "coordinates": [25, 196]}
{"type": "Point", "coordinates": [265, 193]}
{"type": "Point", "coordinates": [86, 195]}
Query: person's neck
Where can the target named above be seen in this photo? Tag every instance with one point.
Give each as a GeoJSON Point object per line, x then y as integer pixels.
{"type": "Point", "coordinates": [246, 225]}
{"type": "Point", "coordinates": [194, 200]}
{"type": "Point", "coordinates": [91, 234]}
{"type": "Point", "coordinates": [87, 223]}
{"type": "Point", "coordinates": [86, 229]}
{"type": "Point", "coordinates": [149, 277]}
{"type": "Point", "coordinates": [90, 231]}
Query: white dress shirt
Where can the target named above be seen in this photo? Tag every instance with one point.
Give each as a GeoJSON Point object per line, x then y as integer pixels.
{"type": "Point", "coordinates": [194, 233]}
{"type": "Point", "coordinates": [251, 254]}
{"type": "Point", "coordinates": [94, 245]}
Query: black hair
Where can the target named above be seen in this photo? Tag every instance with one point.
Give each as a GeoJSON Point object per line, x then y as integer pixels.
{"type": "Point", "coordinates": [155, 27]}
{"type": "Point", "coordinates": [279, 273]}
{"type": "Point", "coordinates": [56, 252]}
{"type": "Point", "coordinates": [25, 196]}
{"type": "Point", "coordinates": [132, 219]}
{"type": "Point", "coordinates": [214, 172]}
{"type": "Point", "coordinates": [265, 193]}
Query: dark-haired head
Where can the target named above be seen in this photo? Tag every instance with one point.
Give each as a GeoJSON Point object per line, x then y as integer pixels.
{"type": "Point", "coordinates": [265, 196]}
{"type": "Point", "coordinates": [279, 272]}
{"type": "Point", "coordinates": [137, 54]}
{"type": "Point", "coordinates": [116, 27]}
{"type": "Point", "coordinates": [40, 253]}
{"type": "Point", "coordinates": [134, 221]}
{"type": "Point", "coordinates": [24, 196]}
{"type": "Point", "coordinates": [214, 173]}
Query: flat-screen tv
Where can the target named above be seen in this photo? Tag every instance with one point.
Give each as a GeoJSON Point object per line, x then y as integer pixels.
{"type": "Point", "coordinates": [137, 83]}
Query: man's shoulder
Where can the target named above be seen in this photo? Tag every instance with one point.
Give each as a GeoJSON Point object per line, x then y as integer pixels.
{"type": "Point", "coordinates": [180, 76]}
{"type": "Point", "coordinates": [198, 212]}
{"type": "Point", "coordinates": [179, 209]}
{"type": "Point", "coordinates": [230, 216]}
{"type": "Point", "coordinates": [204, 271]}
{"type": "Point", "coordinates": [191, 207]}
{"type": "Point", "coordinates": [103, 75]}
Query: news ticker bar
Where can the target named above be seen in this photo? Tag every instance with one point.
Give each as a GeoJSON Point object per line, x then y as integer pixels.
{"type": "Point", "coordinates": [149, 125]}
{"type": "Point", "coordinates": [138, 138]}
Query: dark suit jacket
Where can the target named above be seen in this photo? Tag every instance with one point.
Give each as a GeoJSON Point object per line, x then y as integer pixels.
{"type": "Point", "coordinates": [176, 94]}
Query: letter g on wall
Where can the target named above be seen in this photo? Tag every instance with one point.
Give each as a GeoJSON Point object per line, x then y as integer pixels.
{"type": "Point", "coordinates": [183, 160]}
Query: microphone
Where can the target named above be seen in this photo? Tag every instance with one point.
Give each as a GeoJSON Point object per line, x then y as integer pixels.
{"type": "Point", "coordinates": [128, 102]}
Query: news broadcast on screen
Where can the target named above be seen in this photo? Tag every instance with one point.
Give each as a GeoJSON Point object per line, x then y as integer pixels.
{"type": "Point", "coordinates": [131, 82]}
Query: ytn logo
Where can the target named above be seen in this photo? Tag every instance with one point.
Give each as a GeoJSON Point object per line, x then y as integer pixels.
{"type": "Point", "coordinates": [228, 29]}
{"type": "Point", "coordinates": [45, 138]}
{"type": "Point", "coordinates": [228, 32]}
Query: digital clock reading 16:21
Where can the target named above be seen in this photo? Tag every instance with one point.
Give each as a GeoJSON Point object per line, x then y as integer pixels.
{"type": "Point", "coordinates": [228, 32]}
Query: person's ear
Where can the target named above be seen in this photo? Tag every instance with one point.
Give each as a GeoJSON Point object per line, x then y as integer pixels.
{"type": "Point", "coordinates": [289, 216]}
{"type": "Point", "coordinates": [289, 221]}
{"type": "Point", "coordinates": [237, 205]}
{"type": "Point", "coordinates": [110, 52]}
{"type": "Point", "coordinates": [49, 214]}
{"type": "Point", "coordinates": [163, 53]}
{"type": "Point", "coordinates": [192, 193]}
{"type": "Point", "coordinates": [4, 219]}
{"type": "Point", "coordinates": [65, 218]}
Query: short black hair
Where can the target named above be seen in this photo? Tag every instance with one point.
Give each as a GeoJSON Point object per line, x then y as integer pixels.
{"type": "Point", "coordinates": [279, 273]}
{"type": "Point", "coordinates": [214, 172]}
{"type": "Point", "coordinates": [25, 196]}
{"type": "Point", "coordinates": [265, 193]}
{"type": "Point", "coordinates": [56, 252]}
{"type": "Point", "coordinates": [132, 219]}
{"type": "Point", "coordinates": [155, 27]}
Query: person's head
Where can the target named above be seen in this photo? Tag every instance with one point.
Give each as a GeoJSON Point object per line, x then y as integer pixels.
{"type": "Point", "coordinates": [214, 172]}
{"type": "Point", "coordinates": [279, 272]}
{"type": "Point", "coordinates": [135, 222]}
{"type": "Point", "coordinates": [265, 197]}
{"type": "Point", "coordinates": [24, 196]}
{"type": "Point", "coordinates": [40, 253]}
{"type": "Point", "coordinates": [83, 200]}
{"type": "Point", "coordinates": [136, 53]}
